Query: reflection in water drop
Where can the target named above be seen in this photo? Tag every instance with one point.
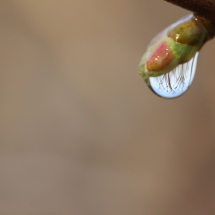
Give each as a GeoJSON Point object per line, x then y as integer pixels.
{"type": "Point", "coordinates": [176, 82]}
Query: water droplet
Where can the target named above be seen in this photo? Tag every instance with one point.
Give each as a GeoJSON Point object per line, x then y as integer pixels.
{"type": "Point", "coordinates": [176, 82]}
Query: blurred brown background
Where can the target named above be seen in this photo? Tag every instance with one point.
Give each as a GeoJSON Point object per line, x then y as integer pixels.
{"type": "Point", "coordinates": [80, 132]}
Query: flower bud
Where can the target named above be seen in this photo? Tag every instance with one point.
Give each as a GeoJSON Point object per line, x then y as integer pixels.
{"type": "Point", "coordinates": [175, 46]}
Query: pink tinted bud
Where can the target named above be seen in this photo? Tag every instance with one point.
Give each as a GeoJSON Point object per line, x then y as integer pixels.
{"type": "Point", "coordinates": [160, 58]}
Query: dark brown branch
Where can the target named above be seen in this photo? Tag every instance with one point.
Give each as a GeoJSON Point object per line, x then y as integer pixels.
{"type": "Point", "coordinates": [204, 8]}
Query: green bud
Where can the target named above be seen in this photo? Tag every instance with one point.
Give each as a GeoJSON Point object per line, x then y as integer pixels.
{"type": "Point", "coordinates": [176, 46]}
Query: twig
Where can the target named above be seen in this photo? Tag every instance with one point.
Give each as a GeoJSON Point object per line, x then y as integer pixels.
{"type": "Point", "coordinates": [204, 8]}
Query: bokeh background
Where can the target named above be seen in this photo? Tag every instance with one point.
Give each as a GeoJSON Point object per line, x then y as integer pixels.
{"type": "Point", "coordinates": [81, 134]}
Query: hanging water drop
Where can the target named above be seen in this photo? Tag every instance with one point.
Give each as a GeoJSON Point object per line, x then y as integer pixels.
{"type": "Point", "coordinates": [168, 67]}
{"type": "Point", "coordinates": [176, 82]}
